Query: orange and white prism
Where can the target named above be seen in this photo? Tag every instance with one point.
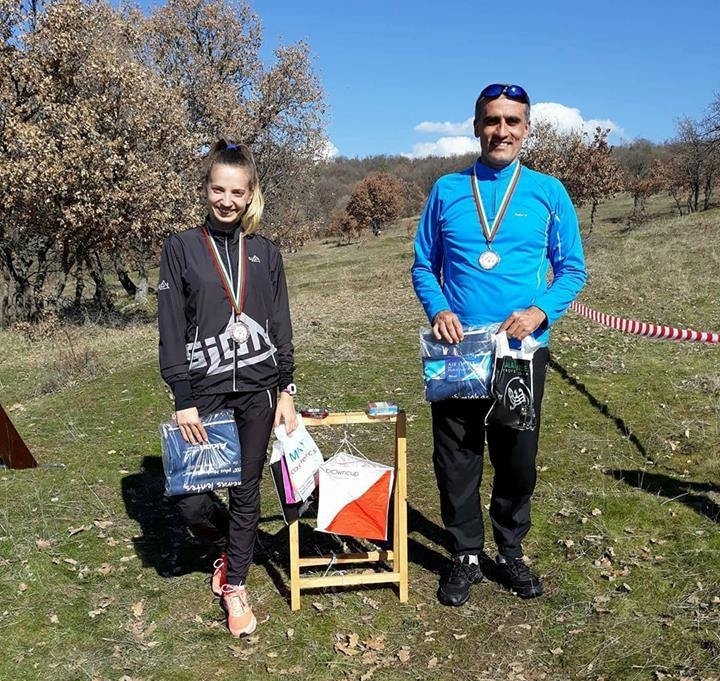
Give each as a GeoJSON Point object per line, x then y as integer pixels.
{"type": "Point", "coordinates": [354, 496]}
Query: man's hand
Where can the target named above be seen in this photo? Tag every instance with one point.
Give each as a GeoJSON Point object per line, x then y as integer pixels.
{"type": "Point", "coordinates": [523, 323]}
{"type": "Point", "coordinates": [446, 326]}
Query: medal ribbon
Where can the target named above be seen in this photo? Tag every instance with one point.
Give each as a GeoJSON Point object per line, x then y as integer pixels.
{"type": "Point", "coordinates": [236, 297]}
{"type": "Point", "coordinates": [490, 231]}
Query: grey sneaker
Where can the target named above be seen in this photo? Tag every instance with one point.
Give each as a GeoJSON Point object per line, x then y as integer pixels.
{"type": "Point", "coordinates": [455, 585]}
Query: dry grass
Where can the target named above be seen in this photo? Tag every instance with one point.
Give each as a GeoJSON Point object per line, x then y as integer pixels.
{"type": "Point", "coordinates": [99, 582]}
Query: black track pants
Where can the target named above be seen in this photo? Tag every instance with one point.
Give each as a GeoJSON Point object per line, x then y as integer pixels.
{"type": "Point", "coordinates": [459, 435]}
{"type": "Point", "coordinates": [235, 530]}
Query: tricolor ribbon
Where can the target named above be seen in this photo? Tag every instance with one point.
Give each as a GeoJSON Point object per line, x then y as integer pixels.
{"type": "Point", "coordinates": [234, 291]}
{"type": "Point", "coordinates": [489, 231]}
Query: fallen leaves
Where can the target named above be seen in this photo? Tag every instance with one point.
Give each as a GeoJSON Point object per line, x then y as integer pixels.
{"type": "Point", "coordinates": [104, 603]}
{"type": "Point", "coordinates": [369, 651]}
{"type": "Point", "coordinates": [102, 524]}
{"type": "Point", "coordinates": [76, 530]}
{"type": "Point", "coordinates": [347, 644]}
{"type": "Point", "coordinates": [138, 608]}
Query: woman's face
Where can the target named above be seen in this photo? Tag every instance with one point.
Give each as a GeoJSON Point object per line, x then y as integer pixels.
{"type": "Point", "coordinates": [228, 194]}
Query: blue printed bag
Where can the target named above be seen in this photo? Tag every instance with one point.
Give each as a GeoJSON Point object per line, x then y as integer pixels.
{"type": "Point", "coordinates": [458, 370]}
{"type": "Point", "coordinates": [201, 468]}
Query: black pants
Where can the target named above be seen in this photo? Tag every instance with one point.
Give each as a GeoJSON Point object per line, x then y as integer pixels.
{"type": "Point", "coordinates": [459, 435]}
{"type": "Point", "coordinates": [234, 529]}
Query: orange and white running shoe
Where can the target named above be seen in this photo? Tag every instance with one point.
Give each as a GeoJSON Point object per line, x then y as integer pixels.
{"type": "Point", "coordinates": [240, 617]}
{"type": "Point", "coordinates": [219, 576]}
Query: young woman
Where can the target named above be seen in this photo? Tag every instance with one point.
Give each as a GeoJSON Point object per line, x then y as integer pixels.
{"type": "Point", "coordinates": [226, 343]}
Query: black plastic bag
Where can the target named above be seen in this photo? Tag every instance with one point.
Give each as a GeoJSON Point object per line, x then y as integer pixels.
{"type": "Point", "coordinates": [511, 385]}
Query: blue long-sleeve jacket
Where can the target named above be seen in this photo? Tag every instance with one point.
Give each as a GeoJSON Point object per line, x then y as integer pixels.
{"type": "Point", "coordinates": [539, 233]}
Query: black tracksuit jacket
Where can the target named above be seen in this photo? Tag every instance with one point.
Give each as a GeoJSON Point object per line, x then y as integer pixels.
{"type": "Point", "coordinates": [197, 357]}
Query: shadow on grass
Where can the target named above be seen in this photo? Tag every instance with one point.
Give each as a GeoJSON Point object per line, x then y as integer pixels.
{"type": "Point", "coordinates": [163, 543]}
{"type": "Point", "coordinates": [420, 553]}
{"type": "Point", "coordinates": [692, 494]}
{"type": "Point", "coordinates": [619, 422]}
{"type": "Point", "coordinates": [272, 549]}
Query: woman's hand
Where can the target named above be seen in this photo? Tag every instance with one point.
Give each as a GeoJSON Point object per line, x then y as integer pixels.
{"type": "Point", "coordinates": [285, 413]}
{"type": "Point", "coordinates": [191, 428]}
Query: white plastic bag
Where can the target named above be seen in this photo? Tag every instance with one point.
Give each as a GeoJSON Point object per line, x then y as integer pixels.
{"type": "Point", "coordinates": [302, 457]}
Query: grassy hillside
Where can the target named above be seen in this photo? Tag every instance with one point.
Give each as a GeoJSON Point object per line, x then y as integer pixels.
{"type": "Point", "coordinates": [99, 582]}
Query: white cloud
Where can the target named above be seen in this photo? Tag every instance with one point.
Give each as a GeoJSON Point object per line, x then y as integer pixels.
{"type": "Point", "coordinates": [446, 128]}
{"type": "Point", "coordinates": [566, 119]}
{"type": "Point", "coordinates": [457, 138]}
{"type": "Point", "coordinates": [445, 146]}
{"type": "Point", "coordinates": [328, 151]}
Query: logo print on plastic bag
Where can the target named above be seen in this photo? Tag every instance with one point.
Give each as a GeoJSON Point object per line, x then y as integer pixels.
{"type": "Point", "coordinates": [517, 394]}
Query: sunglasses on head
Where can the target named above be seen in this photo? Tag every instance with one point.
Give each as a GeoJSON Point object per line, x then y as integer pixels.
{"type": "Point", "coordinates": [515, 92]}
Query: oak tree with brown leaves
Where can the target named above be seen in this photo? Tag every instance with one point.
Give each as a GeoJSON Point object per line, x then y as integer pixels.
{"type": "Point", "coordinates": [90, 141]}
{"type": "Point", "coordinates": [585, 166]}
{"type": "Point", "coordinates": [104, 117]}
{"type": "Point", "coordinates": [375, 201]}
{"type": "Point", "coordinates": [210, 51]}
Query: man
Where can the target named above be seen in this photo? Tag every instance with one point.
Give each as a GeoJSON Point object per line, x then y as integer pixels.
{"type": "Point", "coordinates": [484, 245]}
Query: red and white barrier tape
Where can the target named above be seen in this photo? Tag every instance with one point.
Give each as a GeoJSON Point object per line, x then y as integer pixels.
{"type": "Point", "coordinates": [644, 329]}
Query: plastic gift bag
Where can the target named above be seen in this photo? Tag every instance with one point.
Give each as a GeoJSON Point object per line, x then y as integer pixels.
{"type": "Point", "coordinates": [354, 496]}
{"type": "Point", "coordinates": [302, 457]}
{"type": "Point", "coordinates": [458, 370]}
{"type": "Point", "coordinates": [291, 507]}
{"type": "Point", "coordinates": [512, 384]}
{"type": "Point", "coordinates": [204, 467]}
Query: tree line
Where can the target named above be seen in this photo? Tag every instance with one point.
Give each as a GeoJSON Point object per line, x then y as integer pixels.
{"type": "Point", "coordinates": [106, 113]}
{"type": "Point", "coordinates": [687, 168]}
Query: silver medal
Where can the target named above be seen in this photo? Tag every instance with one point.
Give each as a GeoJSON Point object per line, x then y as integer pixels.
{"type": "Point", "coordinates": [239, 332]}
{"type": "Point", "coordinates": [488, 259]}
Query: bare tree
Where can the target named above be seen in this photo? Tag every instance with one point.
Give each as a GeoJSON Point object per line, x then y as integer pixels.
{"type": "Point", "coordinates": [695, 166]}
{"type": "Point", "coordinates": [645, 174]}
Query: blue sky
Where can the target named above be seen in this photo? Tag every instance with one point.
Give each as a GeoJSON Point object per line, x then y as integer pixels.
{"type": "Point", "coordinates": [401, 77]}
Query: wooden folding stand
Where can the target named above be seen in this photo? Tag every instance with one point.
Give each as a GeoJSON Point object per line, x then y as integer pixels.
{"type": "Point", "coordinates": [396, 559]}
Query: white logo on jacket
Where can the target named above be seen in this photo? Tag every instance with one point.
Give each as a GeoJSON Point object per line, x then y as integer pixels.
{"type": "Point", "coordinates": [217, 353]}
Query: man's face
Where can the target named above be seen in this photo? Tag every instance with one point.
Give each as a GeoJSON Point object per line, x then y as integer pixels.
{"type": "Point", "coordinates": [501, 130]}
